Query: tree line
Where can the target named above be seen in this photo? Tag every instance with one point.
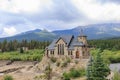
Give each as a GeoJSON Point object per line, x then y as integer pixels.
{"type": "Point", "coordinates": [14, 45]}
{"type": "Point", "coordinates": [110, 44]}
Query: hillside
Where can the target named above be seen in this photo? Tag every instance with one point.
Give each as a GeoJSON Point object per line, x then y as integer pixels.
{"type": "Point", "coordinates": [40, 35]}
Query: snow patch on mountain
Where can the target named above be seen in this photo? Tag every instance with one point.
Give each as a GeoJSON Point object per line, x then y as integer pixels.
{"type": "Point", "coordinates": [116, 29]}
{"type": "Point", "coordinates": [100, 32]}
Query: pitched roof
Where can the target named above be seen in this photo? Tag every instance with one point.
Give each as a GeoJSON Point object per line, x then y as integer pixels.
{"type": "Point", "coordinates": [66, 39]}
{"type": "Point", "coordinates": [52, 45]}
{"type": "Point", "coordinates": [71, 41]}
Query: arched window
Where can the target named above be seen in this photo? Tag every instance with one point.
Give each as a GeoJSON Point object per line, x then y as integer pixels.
{"type": "Point", "coordinates": [70, 52]}
{"type": "Point", "coordinates": [60, 49]}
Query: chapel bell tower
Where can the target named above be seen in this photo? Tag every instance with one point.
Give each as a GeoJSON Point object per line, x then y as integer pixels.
{"type": "Point", "coordinates": [82, 38]}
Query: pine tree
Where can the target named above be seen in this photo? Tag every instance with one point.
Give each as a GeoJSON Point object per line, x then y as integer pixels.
{"type": "Point", "coordinates": [89, 69]}
{"type": "Point", "coordinates": [4, 45]}
{"type": "Point", "coordinates": [97, 69]}
{"type": "Point", "coordinates": [100, 69]}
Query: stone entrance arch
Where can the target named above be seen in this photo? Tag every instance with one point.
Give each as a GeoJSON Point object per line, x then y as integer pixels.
{"type": "Point", "coordinates": [77, 54]}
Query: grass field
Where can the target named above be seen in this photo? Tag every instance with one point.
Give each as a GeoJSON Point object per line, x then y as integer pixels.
{"type": "Point", "coordinates": [110, 56]}
{"type": "Point", "coordinates": [36, 55]}
{"type": "Point", "coordinates": [30, 55]}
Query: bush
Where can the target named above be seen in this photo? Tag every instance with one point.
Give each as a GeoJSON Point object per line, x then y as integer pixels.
{"type": "Point", "coordinates": [53, 59]}
{"type": "Point", "coordinates": [76, 62]}
{"type": "Point", "coordinates": [7, 77]}
{"type": "Point", "coordinates": [74, 73]}
{"type": "Point", "coordinates": [58, 64]}
{"type": "Point", "coordinates": [66, 76]}
{"type": "Point", "coordinates": [77, 72]}
{"type": "Point", "coordinates": [21, 50]}
{"type": "Point", "coordinates": [68, 60]}
{"type": "Point", "coordinates": [64, 64]}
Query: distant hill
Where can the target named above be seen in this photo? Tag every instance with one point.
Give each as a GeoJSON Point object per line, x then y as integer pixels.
{"type": "Point", "coordinates": [41, 35]}
{"type": "Point", "coordinates": [94, 31]}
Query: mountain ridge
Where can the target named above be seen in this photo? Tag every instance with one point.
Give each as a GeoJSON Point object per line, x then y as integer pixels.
{"type": "Point", "coordinates": [93, 31]}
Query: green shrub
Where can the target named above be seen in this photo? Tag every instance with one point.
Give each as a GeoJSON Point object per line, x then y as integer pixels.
{"type": "Point", "coordinates": [58, 64]}
{"type": "Point", "coordinates": [66, 76]}
{"type": "Point", "coordinates": [53, 59]}
{"type": "Point", "coordinates": [74, 73]}
{"type": "Point", "coordinates": [7, 77]}
{"type": "Point", "coordinates": [76, 62]}
{"type": "Point", "coordinates": [21, 50]}
{"type": "Point", "coordinates": [68, 60]}
{"type": "Point", "coordinates": [77, 72]}
{"type": "Point", "coordinates": [64, 64]}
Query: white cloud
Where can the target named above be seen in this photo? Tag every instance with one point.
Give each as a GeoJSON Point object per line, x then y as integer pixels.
{"type": "Point", "coordinates": [9, 31]}
{"type": "Point", "coordinates": [27, 6]}
{"type": "Point", "coordinates": [98, 12]}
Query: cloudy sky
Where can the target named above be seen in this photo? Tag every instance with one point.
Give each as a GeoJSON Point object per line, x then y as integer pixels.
{"type": "Point", "coordinates": [17, 16]}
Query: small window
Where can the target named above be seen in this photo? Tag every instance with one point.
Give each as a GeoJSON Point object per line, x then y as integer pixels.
{"type": "Point", "coordinates": [83, 53]}
{"type": "Point", "coordinates": [52, 52]}
{"type": "Point", "coordinates": [69, 52]}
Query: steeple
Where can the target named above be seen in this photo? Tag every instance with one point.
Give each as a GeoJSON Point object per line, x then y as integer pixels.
{"type": "Point", "coordinates": [82, 37]}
